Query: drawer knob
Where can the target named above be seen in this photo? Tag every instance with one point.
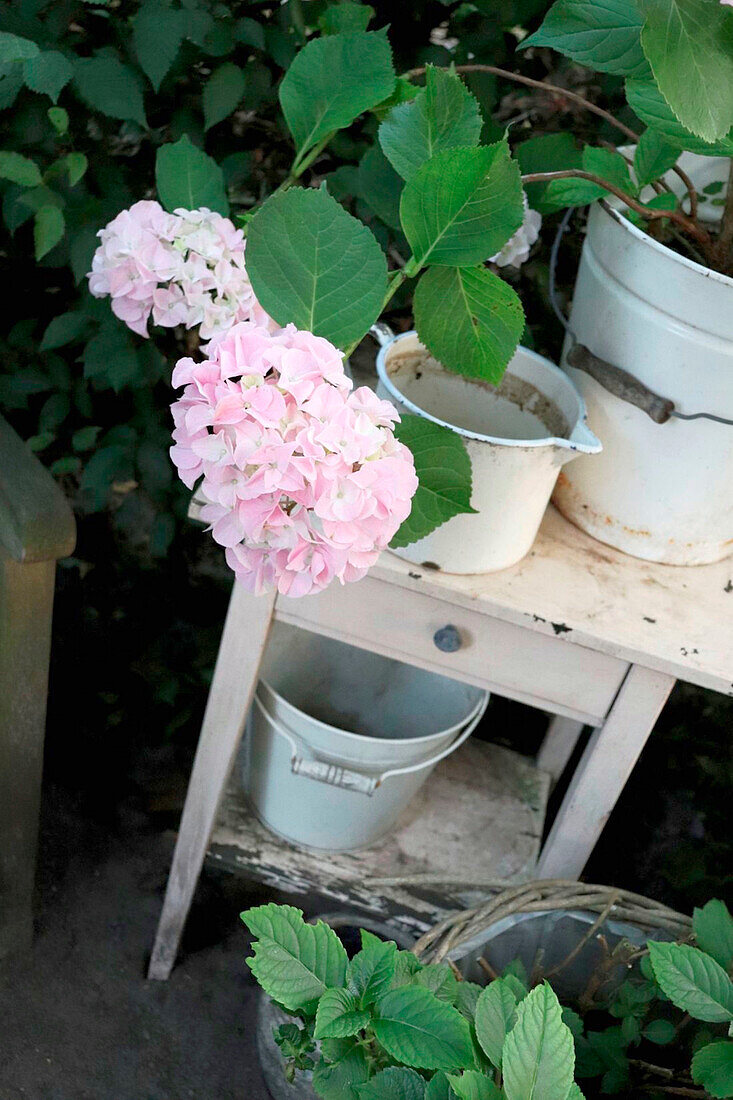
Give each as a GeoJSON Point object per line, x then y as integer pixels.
{"type": "Point", "coordinates": [447, 639]}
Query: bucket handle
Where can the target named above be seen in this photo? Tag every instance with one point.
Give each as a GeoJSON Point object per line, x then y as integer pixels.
{"type": "Point", "coordinates": [347, 779]}
{"type": "Point", "coordinates": [615, 380]}
{"type": "Point", "coordinates": [382, 333]}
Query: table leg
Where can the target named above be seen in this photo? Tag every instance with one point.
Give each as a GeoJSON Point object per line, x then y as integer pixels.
{"type": "Point", "coordinates": [240, 652]}
{"type": "Point", "coordinates": [601, 774]}
{"type": "Point", "coordinates": [557, 748]}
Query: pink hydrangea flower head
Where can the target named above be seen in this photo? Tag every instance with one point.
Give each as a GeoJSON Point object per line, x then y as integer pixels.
{"type": "Point", "coordinates": [302, 480]}
{"type": "Point", "coordinates": [185, 268]}
{"type": "Point", "coordinates": [517, 248]}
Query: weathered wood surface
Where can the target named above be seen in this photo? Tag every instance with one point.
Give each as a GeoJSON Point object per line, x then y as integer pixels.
{"type": "Point", "coordinates": [510, 660]}
{"type": "Point", "coordinates": [558, 746]}
{"type": "Point", "coordinates": [235, 675]}
{"type": "Point", "coordinates": [36, 527]}
{"type": "Point", "coordinates": [600, 777]}
{"type": "Point", "coordinates": [26, 600]}
{"type": "Point", "coordinates": [477, 822]}
{"type": "Point", "coordinates": [675, 619]}
{"type": "Point", "coordinates": [36, 522]}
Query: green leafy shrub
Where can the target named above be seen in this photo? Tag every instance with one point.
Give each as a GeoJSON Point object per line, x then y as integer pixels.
{"type": "Point", "coordinates": [381, 1025]}
{"type": "Point", "coordinates": [101, 105]}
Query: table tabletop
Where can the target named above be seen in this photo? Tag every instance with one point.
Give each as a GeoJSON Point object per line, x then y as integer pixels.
{"type": "Point", "coordinates": [674, 619]}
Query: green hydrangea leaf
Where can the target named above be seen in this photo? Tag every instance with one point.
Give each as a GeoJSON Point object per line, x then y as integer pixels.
{"type": "Point", "coordinates": [712, 1067]}
{"type": "Point", "coordinates": [64, 329]}
{"type": "Point", "coordinates": [313, 264]}
{"type": "Point", "coordinates": [13, 48]}
{"type": "Point", "coordinates": [607, 164]}
{"type": "Point", "coordinates": [417, 1029]}
{"type": "Point", "coordinates": [472, 1085]}
{"type": "Point", "coordinates": [713, 927]}
{"type": "Point", "coordinates": [339, 1015]}
{"type": "Point", "coordinates": [108, 86]}
{"type": "Point", "coordinates": [394, 1083]}
{"type": "Point", "coordinates": [331, 81]}
{"type": "Point", "coordinates": [157, 33]}
{"type": "Point", "coordinates": [380, 186]}
{"type": "Point", "coordinates": [546, 153]}
{"type": "Point", "coordinates": [343, 1068]}
{"type": "Point", "coordinates": [48, 229]}
{"type": "Point", "coordinates": [444, 115]}
{"type": "Point", "coordinates": [462, 206]}
{"type": "Point", "coordinates": [467, 995]}
{"type": "Point", "coordinates": [660, 1032]}
{"type": "Point", "coordinates": [602, 34]}
{"type": "Point", "coordinates": [404, 91]}
{"type": "Point", "coordinates": [345, 18]}
{"type": "Point", "coordinates": [646, 101]}
{"type": "Point", "coordinates": [440, 980]}
{"type": "Point", "coordinates": [443, 469]}
{"type": "Point", "coordinates": [250, 32]}
{"type": "Point", "coordinates": [438, 1088]}
{"type": "Point", "coordinates": [470, 319]}
{"type": "Point", "coordinates": [538, 1059]}
{"type": "Point", "coordinates": [85, 438]}
{"type": "Point", "coordinates": [188, 177]}
{"type": "Point", "coordinates": [371, 971]}
{"type": "Point", "coordinates": [693, 981]}
{"type": "Point", "coordinates": [110, 358]}
{"type": "Point", "coordinates": [223, 92]}
{"type": "Point", "coordinates": [59, 119]}
{"type": "Point", "coordinates": [48, 73]}
{"type": "Point", "coordinates": [407, 965]}
{"type": "Point", "coordinates": [573, 1021]}
{"type": "Point", "coordinates": [19, 169]}
{"type": "Point", "coordinates": [11, 81]}
{"type": "Point", "coordinates": [496, 1012]}
{"type": "Point", "coordinates": [75, 164]}
{"type": "Point", "coordinates": [688, 46]}
{"type": "Point", "coordinates": [107, 465]}
{"type": "Point", "coordinates": [294, 962]}
{"type": "Point", "coordinates": [653, 157]}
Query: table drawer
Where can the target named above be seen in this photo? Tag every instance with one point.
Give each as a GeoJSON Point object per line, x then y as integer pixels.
{"type": "Point", "coordinates": [516, 662]}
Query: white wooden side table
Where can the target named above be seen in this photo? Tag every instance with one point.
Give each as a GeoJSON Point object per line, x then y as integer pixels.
{"type": "Point", "coordinates": [577, 629]}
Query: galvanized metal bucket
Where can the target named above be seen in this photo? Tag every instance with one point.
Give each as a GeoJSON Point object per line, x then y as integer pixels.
{"type": "Point", "coordinates": [518, 435]}
{"type": "Point", "coordinates": [662, 490]}
{"type": "Point", "coordinates": [340, 739]}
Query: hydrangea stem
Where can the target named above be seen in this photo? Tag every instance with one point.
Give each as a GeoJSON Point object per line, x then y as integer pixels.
{"type": "Point", "coordinates": [725, 238]}
{"type": "Point", "coordinates": [692, 228]}
{"type": "Point", "coordinates": [574, 97]}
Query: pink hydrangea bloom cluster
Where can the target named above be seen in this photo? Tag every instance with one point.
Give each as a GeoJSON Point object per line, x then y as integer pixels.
{"type": "Point", "coordinates": [303, 480]}
{"type": "Point", "coordinates": [185, 268]}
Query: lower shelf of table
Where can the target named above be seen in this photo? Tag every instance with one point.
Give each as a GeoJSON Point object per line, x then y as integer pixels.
{"type": "Point", "coordinates": [476, 823]}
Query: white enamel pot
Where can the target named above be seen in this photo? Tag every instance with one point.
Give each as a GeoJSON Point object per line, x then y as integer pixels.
{"type": "Point", "coordinates": [660, 491]}
{"type": "Point", "coordinates": [518, 437]}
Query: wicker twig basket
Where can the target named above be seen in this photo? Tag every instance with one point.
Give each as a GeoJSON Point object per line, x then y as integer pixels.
{"type": "Point", "coordinates": [608, 902]}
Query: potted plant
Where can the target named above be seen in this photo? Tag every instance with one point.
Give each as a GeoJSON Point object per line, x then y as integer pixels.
{"type": "Point", "coordinates": [316, 273]}
{"type": "Point", "coordinates": [387, 1023]}
{"type": "Point", "coordinates": [655, 299]}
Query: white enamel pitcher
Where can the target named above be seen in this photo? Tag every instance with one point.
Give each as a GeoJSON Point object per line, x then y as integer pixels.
{"type": "Point", "coordinates": [518, 436]}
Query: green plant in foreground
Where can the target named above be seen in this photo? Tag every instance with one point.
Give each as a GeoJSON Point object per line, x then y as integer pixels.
{"type": "Point", "coordinates": [381, 1026]}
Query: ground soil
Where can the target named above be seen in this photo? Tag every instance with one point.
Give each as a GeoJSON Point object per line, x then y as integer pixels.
{"type": "Point", "coordinates": [80, 1022]}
